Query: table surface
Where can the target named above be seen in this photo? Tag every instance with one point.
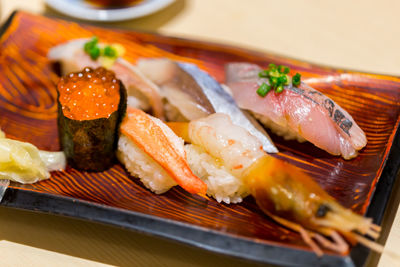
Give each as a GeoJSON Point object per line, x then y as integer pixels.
{"type": "Point", "coordinates": [361, 35]}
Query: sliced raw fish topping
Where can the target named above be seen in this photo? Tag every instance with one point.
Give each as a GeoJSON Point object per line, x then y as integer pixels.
{"type": "Point", "coordinates": [304, 110]}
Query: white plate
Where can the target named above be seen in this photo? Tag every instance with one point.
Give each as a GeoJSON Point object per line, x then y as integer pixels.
{"type": "Point", "coordinates": [83, 10]}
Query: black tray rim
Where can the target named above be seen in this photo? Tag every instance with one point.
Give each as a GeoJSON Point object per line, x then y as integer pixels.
{"type": "Point", "coordinates": [200, 237]}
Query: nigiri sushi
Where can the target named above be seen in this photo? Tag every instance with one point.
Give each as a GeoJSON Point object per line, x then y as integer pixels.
{"type": "Point", "coordinates": [76, 54]}
{"type": "Point", "coordinates": [219, 153]}
{"type": "Point", "coordinates": [282, 191]}
{"type": "Point", "coordinates": [297, 112]}
{"type": "Point", "coordinates": [151, 151]}
{"type": "Point", "coordinates": [191, 93]}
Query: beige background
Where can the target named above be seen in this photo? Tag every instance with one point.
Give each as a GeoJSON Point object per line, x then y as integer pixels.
{"type": "Point", "coordinates": [362, 35]}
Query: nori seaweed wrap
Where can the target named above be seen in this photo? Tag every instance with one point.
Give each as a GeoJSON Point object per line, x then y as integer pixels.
{"type": "Point", "coordinates": [91, 105]}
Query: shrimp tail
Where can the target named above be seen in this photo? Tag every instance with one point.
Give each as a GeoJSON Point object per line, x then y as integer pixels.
{"type": "Point", "coordinates": [368, 243]}
{"type": "Point", "coordinates": [314, 240]}
{"type": "Point", "coordinates": [349, 222]}
{"type": "Point", "coordinates": [298, 228]}
{"type": "Point", "coordinates": [282, 190]}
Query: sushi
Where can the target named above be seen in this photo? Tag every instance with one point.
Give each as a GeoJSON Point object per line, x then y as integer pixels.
{"type": "Point", "coordinates": [76, 54]}
{"type": "Point", "coordinates": [152, 152]}
{"type": "Point", "coordinates": [219, 152]}
{"type": "Point", "coordinates": [191, 93]}
{"type": "Point", "coordinates": [283, 192]}
{"type": "Point", "coordinates": [91, 105]}
{"type": "Point", "coordinates": [295, 112]}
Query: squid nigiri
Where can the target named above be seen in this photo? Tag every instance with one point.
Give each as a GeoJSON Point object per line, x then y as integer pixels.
{"type": "Point", "coordinates": [76, 54]}
{"type": "Point", "coordinates": [282, 191]}
{"type": "Point", "coordinates": [298, 112]}
{"type": "Point", "coordinates": [153, 153]}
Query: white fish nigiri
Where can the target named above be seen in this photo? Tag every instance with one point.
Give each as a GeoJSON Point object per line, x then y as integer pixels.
{"type": "Point", "coordinates": [142, 93]}
{"type": "Point", "coordinates": [300, 113]}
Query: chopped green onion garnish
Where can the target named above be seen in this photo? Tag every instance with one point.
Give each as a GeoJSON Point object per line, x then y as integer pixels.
{"type": "Point", "coordinates": [273, 81]}
{"type": "Point", "coordinates": [286, 70]}
{"type": "Point", "coordinates": [93, 49]}
{"type": "Point", "coordinates": [87, 47]}
{"type": "Point", "coordinates": [94, 53]}
{"type": "Point", "coordinates": [279, 89]}
{"type": "Point", "coordinates": [296, 79]}
{"type": "Point", "coordinates": [278, 78]}
{"type": "Point", "coordinates": [282, 80]}
{"type": "Point", "coordinates": [90, 44]}
{"type": "Point", "coordinates": [109, 51]}
{"type": "Point", "coordinates": [274, 73]}
{"type": "Point", "coordinates": [263, 89]}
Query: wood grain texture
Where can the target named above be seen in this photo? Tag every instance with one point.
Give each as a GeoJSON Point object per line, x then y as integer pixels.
{"type": "Point", "coordinates": [28, 113]}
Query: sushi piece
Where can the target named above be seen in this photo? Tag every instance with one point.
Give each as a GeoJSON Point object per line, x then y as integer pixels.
{"type": "Point", "coordinates": [22, 162]}
{"type": "Point", "coordinates": [297, 112]}
{"type": "Point", "coordinates": [192, 94]}
{"type": "Point", "coordinates": [153, 153]}
{"type": "Point", "coordinates": [283, 192]}
{"type": "Point", "coordinates": [91, 104]}
{"type": "Point", "coordinates": [76, 54]}
{"type": "Point", "coordinates": [218, 153]}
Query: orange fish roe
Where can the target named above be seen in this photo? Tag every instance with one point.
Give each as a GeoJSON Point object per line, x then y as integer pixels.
{"type": "Point", "coordinates": [89, 94]}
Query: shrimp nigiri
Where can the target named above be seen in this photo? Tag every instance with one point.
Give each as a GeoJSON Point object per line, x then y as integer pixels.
{"type": "Point", "coordinates": [300, 113]}
{"type": "Point", "coordinates": [142, 93]}
{"type": "Point", "coordinates": [282, 191]}
{"type": "Point", "coordinates": [153, 153]}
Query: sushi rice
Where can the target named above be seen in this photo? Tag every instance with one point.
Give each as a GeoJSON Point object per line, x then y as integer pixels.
{"type": "Point", "coordinates": [141, 165]}
{"type": "Point", "coordinates": [221, 184]}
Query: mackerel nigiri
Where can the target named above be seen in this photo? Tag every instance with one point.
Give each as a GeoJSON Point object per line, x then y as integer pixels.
{"type": "Point", "coordinates": [191, 94]}
{"type": "Point", "coordinates": [300, 113]}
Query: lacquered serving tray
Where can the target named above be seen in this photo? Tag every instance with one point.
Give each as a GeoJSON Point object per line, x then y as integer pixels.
{"type": "Point", "coordinates": [28, 113]}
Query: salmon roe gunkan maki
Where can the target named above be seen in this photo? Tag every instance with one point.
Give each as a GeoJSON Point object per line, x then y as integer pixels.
{"type": "Point", "coordinates": [91, 104]}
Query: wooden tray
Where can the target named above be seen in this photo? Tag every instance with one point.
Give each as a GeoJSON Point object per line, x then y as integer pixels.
{"type": "Point", "coordinates": [28, 113]}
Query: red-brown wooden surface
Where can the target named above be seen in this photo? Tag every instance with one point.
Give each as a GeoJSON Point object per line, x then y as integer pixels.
{"type": "Point", "coordinates": [28, 113]}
